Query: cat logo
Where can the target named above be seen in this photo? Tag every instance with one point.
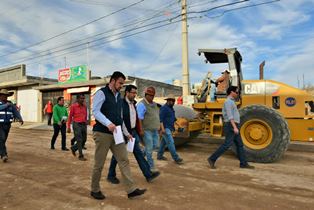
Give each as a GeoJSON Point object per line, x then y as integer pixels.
{"type": "Point", "coordinates": [290, 101]}
{"type": "Point", "coordinates": [255, 88]}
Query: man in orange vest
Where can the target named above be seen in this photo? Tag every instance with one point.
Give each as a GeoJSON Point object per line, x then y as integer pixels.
{"type": "Point", "coordinates": [48, 111]}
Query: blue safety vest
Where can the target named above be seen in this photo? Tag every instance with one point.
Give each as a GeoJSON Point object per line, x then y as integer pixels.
{"type": "Point", "coordinates": [7, 114]}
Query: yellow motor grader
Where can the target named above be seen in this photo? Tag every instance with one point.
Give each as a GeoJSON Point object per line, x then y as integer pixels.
{"type": "Point", "coordinates": [272, 113]}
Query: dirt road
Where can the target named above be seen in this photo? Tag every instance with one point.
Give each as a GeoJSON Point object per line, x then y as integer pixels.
{"type": "Point", "coordinates": [38, 178]}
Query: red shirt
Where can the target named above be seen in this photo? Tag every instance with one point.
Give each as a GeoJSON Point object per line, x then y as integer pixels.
{"type": "Point", "coordinates": [78, 114]}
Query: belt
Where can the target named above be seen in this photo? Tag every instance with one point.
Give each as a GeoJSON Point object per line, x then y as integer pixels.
{"type": "Point", "coordinates": [81, 123]}
{"type": "Point", "coordinates": [230, 122]}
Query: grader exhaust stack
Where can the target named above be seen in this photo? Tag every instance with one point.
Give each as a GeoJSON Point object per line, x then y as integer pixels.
{"type": "Point", "coordinates": [261, 70]}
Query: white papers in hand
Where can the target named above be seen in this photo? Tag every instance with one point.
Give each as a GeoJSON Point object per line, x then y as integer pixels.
{"type": "Point", "coordinates": [130, 145]}
{"type": "Point", "coordinates": [117, 135]}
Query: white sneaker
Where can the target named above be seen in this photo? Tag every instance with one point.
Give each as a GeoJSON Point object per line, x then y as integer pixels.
{"type": "Point", "coordinates": [154, 170]}
{"type": "Point", "coordinates": [5, 158]}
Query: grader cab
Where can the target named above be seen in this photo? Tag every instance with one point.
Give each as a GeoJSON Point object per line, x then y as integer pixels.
{"type": "Point", "coordinates": [272, 113]}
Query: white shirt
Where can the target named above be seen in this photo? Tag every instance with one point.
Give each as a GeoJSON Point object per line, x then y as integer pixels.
{"type": "Point", "coordinates": [132, 113]}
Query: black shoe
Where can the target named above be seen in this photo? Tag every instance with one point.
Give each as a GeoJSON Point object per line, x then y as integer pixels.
{"type": "Point", "coordinates": [5, 158]}
{"type": "Point", "coordinates": [52, 148]}
{"type": "Point", "coordinates": [97, 195]}
{"type": "Point", "coordinates": [153, 176]}
{"type": "Point", "coordinates": [65, 149]}
{"type": "Point", "coordinates": [211, 163]}
{"type": "Point", "coordinates": [82, 158]}
{"type": "Point", "coordinates": [113, 180]}
{"type": "Point", "coordinates": [247, 166]}
{"type": "Point", "coordinates": [136, 193]}
{"type": "Point", "coordinates": [161, 158]}
{"type": "Point", "coordinates": [73, 151]}
{"type": "Point", "coordinates": [84, 148]}
{"type": "Point", "coordinates": [179, 161]}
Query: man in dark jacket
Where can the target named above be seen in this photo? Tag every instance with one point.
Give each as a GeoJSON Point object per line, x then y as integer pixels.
{"type": "Point", "coordinates": [8, 112]}
{"type": "Point", "coordinates": [107, 110]}
{"type": "Point", "coordinates": [130, 118]}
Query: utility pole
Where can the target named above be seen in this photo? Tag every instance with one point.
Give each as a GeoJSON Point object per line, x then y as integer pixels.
{"type": "Point", "coordinates": [185, 52]}
{"type": "Point", "coordinates": [298, 81]}
{"type": "Point", "coordinates": [303, 82]}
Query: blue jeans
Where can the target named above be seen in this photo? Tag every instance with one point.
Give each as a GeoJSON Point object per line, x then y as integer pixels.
{"type": "Point", "coordinates": [230, 138]}
{"type": "Point", "coordinates": [151, 138]}
{"type": "Point", "coordinates": [167, 140]}
{"type": "Point", "coordinates": [139, 156]}
{"type": "Point", "coordinates": [4, 132]}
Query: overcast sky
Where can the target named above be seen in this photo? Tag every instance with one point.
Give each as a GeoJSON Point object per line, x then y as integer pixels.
{"type": "Point", "coordinates": [47, 35]}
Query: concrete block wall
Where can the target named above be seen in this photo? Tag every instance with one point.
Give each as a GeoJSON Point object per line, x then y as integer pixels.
{"type": "Point", "coordinates": [162, 89]}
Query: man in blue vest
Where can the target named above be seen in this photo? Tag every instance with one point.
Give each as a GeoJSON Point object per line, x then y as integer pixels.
{"type": "Point", "coordinates": [129, 119]}
{"type": "Point", "coordinates": [8, 112]}
{"type": "Point", "coordinates": [107, 110]}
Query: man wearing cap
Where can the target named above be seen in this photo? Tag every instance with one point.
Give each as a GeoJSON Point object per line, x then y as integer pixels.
{"type": "Point", "coordinates": [149, 124]}
{"type": "Point", "coordinates": [167, 121]}
{"type": "Point", "coordinates": [8, 112]}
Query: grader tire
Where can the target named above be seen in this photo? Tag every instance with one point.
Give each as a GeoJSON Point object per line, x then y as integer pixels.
{"type": "Point", "coordinates": [265, 133]}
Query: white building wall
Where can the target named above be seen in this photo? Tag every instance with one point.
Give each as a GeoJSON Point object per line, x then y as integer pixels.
{"type": "Point", "coordinates": [28, 98]}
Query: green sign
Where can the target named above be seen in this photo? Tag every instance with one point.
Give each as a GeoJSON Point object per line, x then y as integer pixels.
{"type": "Point", "coordinates": [73, 74]}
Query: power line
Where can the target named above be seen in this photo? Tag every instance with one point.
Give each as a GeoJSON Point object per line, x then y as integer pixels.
{"type": "Point", "coordinates": [121, 33]}
{"type": "Point", "coordinates": [98, 3]}
{"type": "Point", "coordinates": [162, 49]}
{"type": "Point", "coordinates": [75, 46]}
{"type": "Point", "coordinates": [73, 29]}
{"type": "Point", "coordinates": [201, 3]}
{"type": "Point", "coordinates": [96, 40]}
{"type": "Point", "coordinates": [141, 21]}
{"type": "Point", "coordinates": [128, 24]}
{"type": "Point", "coordinates": [217, 7]}
{"type": "Point", "coordinates": [244, 7]}
{"type": "Point", "coordinates": [99, 45]}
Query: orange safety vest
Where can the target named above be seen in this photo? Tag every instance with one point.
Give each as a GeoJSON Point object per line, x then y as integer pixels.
{"type": "Point", "coordinates": [49, 108]}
